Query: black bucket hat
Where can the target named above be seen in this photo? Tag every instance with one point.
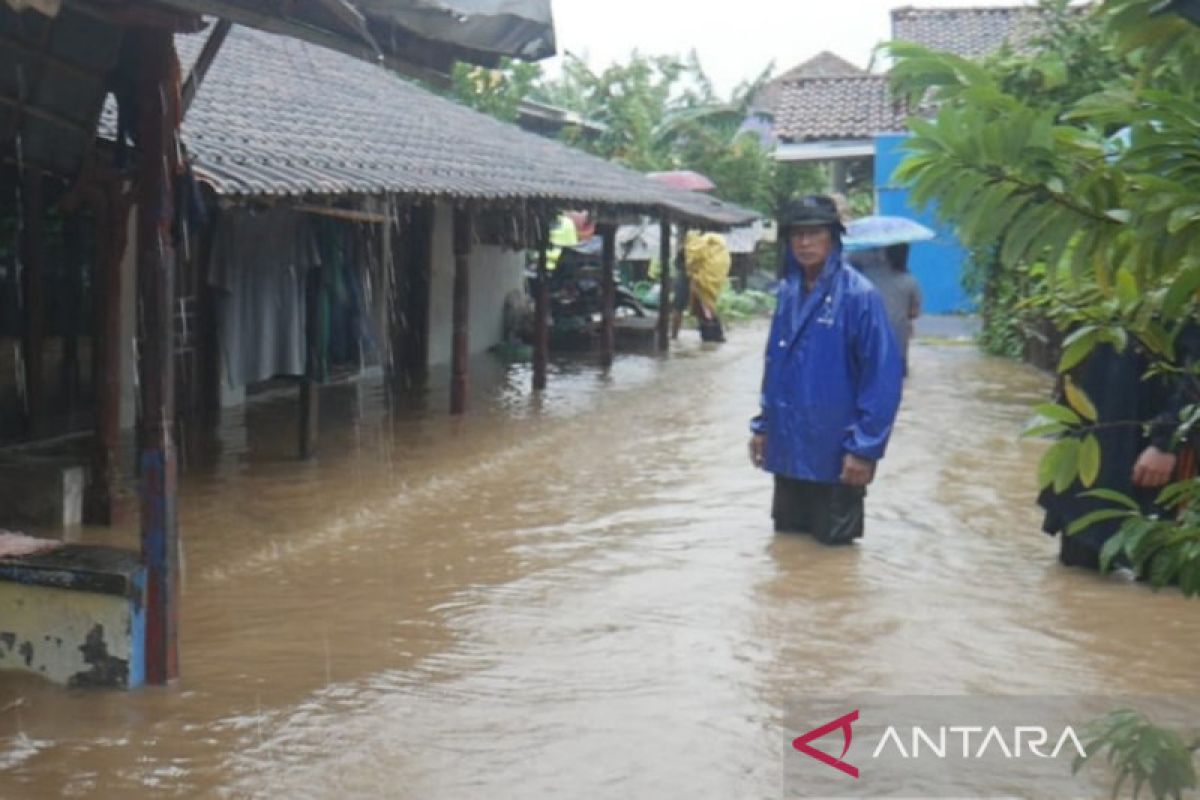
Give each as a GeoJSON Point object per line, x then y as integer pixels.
{"type": "Point", "coordinates": [815, 210]}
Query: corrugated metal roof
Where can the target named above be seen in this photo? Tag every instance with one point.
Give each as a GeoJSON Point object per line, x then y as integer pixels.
{"type": "Point", "coordinates": [277, 116]}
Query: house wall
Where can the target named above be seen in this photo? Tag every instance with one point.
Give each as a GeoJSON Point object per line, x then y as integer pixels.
{"type": "Point", "coordinates": [937, 265]}
{"type": "Point", "coordinates": [494, 272]}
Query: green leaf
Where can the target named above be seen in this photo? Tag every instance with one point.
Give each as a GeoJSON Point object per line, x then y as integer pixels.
{"type": "Point", "coordinates": [1057, 413]}
{"type": "Point", "coordinates": [1089, 461]}
{"type": "Point", "coordinates": [1044, 429]}
{"type": "Point", "coordinates": [1110, 550]}
{"type": "Point", "coordinates": [1127, 288]}
{"type": "Point", "coordinates": [1079, 400]}
{"type": "Point", "coordinates": [1076, 348]}
{"type": "Point", "coordinates": [1114, 497]}
{"type": "Point", "coordinates": [1088, 520]}
{"type": "Point", "coordinates": [1067, 467]}
{"type": "Point", "coordinates": [1183, 288]}
{"type": "Point", "coordinates": [1048, 465]}
{"type": "Point", "coordinates": [1182, 217]}
{"type": "Point", "coordinates": [1122, 215]}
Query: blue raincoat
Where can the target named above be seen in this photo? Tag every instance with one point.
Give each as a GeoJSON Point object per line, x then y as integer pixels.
{"type": "Point", "coordinates": [833, 374]}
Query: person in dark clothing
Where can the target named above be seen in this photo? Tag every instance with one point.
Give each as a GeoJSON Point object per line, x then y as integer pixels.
{"type": "Point", "coordinates": [1136, 421]}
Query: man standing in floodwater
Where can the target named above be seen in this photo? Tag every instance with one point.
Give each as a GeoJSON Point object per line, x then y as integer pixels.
{"type": "Point", "coordinates": [831, 383]}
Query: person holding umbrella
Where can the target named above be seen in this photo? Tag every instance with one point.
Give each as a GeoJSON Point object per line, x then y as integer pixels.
{"type": "Point", "coordinates": [831, 382]}
{"type": "Point", "coordinates": [880, 246]}
{"type": "Point", "coordinates": [887, 269]}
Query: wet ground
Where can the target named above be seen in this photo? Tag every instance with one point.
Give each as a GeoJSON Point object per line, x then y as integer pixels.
{"type": "Point", "coordinates": [580, 595]}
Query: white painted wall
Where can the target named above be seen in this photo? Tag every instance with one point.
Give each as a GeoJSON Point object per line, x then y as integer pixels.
{"type": "Point", "coordinates": [494, 272]}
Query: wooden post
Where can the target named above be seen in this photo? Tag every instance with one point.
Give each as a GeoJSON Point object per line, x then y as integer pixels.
{"type": "Point", "coordinates": [664, 283]}
{"type": "Point", "coordinates": [607, 331]}
{"type": "Point", "coordinates": [110, 210]}
{"type": "Point", "coordinates": [32, 258]}
{"type": "Point", "coordinates": [420, 276]}
{"type": "Point", "coordinates": [310, 383]}
{"type": "Point", "coordinates": [677, 316]}
{"type": "Point", "coordinates": [541, 313]}
{"type": "Point", "coordinates": [76, 260]}
{"type": "Point", "coordinates": [157, 127]}
{"type": "Point", "coordinates": [462, 250]}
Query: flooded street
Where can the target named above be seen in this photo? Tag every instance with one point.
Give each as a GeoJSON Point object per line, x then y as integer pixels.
{"type": "Point", "coordinates": [580, 595]}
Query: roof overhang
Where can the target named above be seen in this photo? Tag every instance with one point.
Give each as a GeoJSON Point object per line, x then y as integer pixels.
{"type": "Point", "coordinates": [828, 150]}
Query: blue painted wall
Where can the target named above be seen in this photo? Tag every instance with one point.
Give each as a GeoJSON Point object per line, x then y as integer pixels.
{"type": "Point", "coordinates": [937, 265]}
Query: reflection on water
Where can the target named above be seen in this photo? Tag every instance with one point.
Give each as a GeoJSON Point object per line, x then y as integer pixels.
{"type": "Point", "coordinates": [579, 595]}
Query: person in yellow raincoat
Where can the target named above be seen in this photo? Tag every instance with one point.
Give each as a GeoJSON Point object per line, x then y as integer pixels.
{"type": "Point", "coordinates": [707, 261]}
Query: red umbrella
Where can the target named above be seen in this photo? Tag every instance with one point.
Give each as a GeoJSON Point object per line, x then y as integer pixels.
{"type": "Point", "coordinates": [683, 179]}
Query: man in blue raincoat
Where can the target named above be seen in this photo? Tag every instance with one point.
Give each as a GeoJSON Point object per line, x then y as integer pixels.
{"type": "Point", "coordinates": [831, 385]}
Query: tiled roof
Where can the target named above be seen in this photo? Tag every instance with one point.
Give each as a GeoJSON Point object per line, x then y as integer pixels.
{"type": "Point", "coordinates": [276, 116]}
{"type": "Point", "coordinates": [823, 65]}
{"type": "Point", "coordinates": [848, 107]}
{"type": "Point", "coordinates": [967, 32]}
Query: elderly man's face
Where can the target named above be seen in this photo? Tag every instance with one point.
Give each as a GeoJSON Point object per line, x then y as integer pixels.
{"type": "Point", "coordinates": [811, 245]}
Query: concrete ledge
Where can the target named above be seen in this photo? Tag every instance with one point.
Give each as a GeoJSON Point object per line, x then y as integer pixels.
{"type": "Point", "coordinates": [75, 615]}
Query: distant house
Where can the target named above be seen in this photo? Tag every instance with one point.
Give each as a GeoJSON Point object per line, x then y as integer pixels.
{"type": "Point", "coordinates": [967, 32]}
{"type": "Point", "coordinates": [823, 65]}
{"type": "Point", "coordinates": [825, 110]}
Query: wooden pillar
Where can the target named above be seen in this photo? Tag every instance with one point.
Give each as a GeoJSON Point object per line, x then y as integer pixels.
{"type": "Point", "coordinates": [681, 265]}
{"type": "Point", "coordinates": [541, 313]}
{"type": "Point", "coordinates": [310, 384]}
{"type": "Point", "coordinates": [398, 291]}
{"type": "Point", "coordinates": [420, 274]}
{"type": "Point", "coordinates": [462, 251]}
{"type": "Point", "coordinates": [32, 261]}
{"type": "Point", "coordinates": [664, 283]}
{"type": "Point", "coordinates": [157, 128]}
{"type": "Point", "coordinates": [76, 260]}
{"type": "Point", "coordinates": [110, 210]}
{"type": "Point", "coordinates": [607, 330]}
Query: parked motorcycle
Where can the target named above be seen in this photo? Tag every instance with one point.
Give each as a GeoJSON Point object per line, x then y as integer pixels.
{"type": "Point", "coordinates": [576, 292]}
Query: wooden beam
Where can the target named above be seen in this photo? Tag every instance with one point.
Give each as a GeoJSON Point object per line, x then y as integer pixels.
{"type": "Point", "coordinates": [541, 313]}
{"type": "Point", "coordinates": [353, 42]}
{"type": "Point", "coordinates": [608, 339]}
{"type": "Point", "coordinates": [156, 272]}
{"type": "Point", "coordinates": [348, 214]}
{"type": "Point", "coordinates": [32, 289]}
{"type": "Point", "coordinates": [309, 384]}
{"type": "Point", "coordinates": [461, 348]}
{"type": "Point", "coordinates": [77, 128]}
{"type": "Point", "coordinates": [57, 64]}
{"type": "Point", "coordinates": [208, 54]}
{"type": "Point", "coordinates": [664, 283]}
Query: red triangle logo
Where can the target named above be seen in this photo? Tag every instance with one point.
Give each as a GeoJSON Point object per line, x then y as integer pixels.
{"type": "Point", "coordinates": [843, 724]}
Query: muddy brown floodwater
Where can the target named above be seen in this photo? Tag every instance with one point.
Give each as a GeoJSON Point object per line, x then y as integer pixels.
{"type": "Point", "coordinates": [580, 595]}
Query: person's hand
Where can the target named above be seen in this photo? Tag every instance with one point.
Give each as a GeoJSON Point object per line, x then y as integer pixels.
{"type": "Point", "coordinates": [1153, 468]}
{"type": "Point", "coordinates": [758, 449]}
{"type": "Point", "coordinates": [857, 471]}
